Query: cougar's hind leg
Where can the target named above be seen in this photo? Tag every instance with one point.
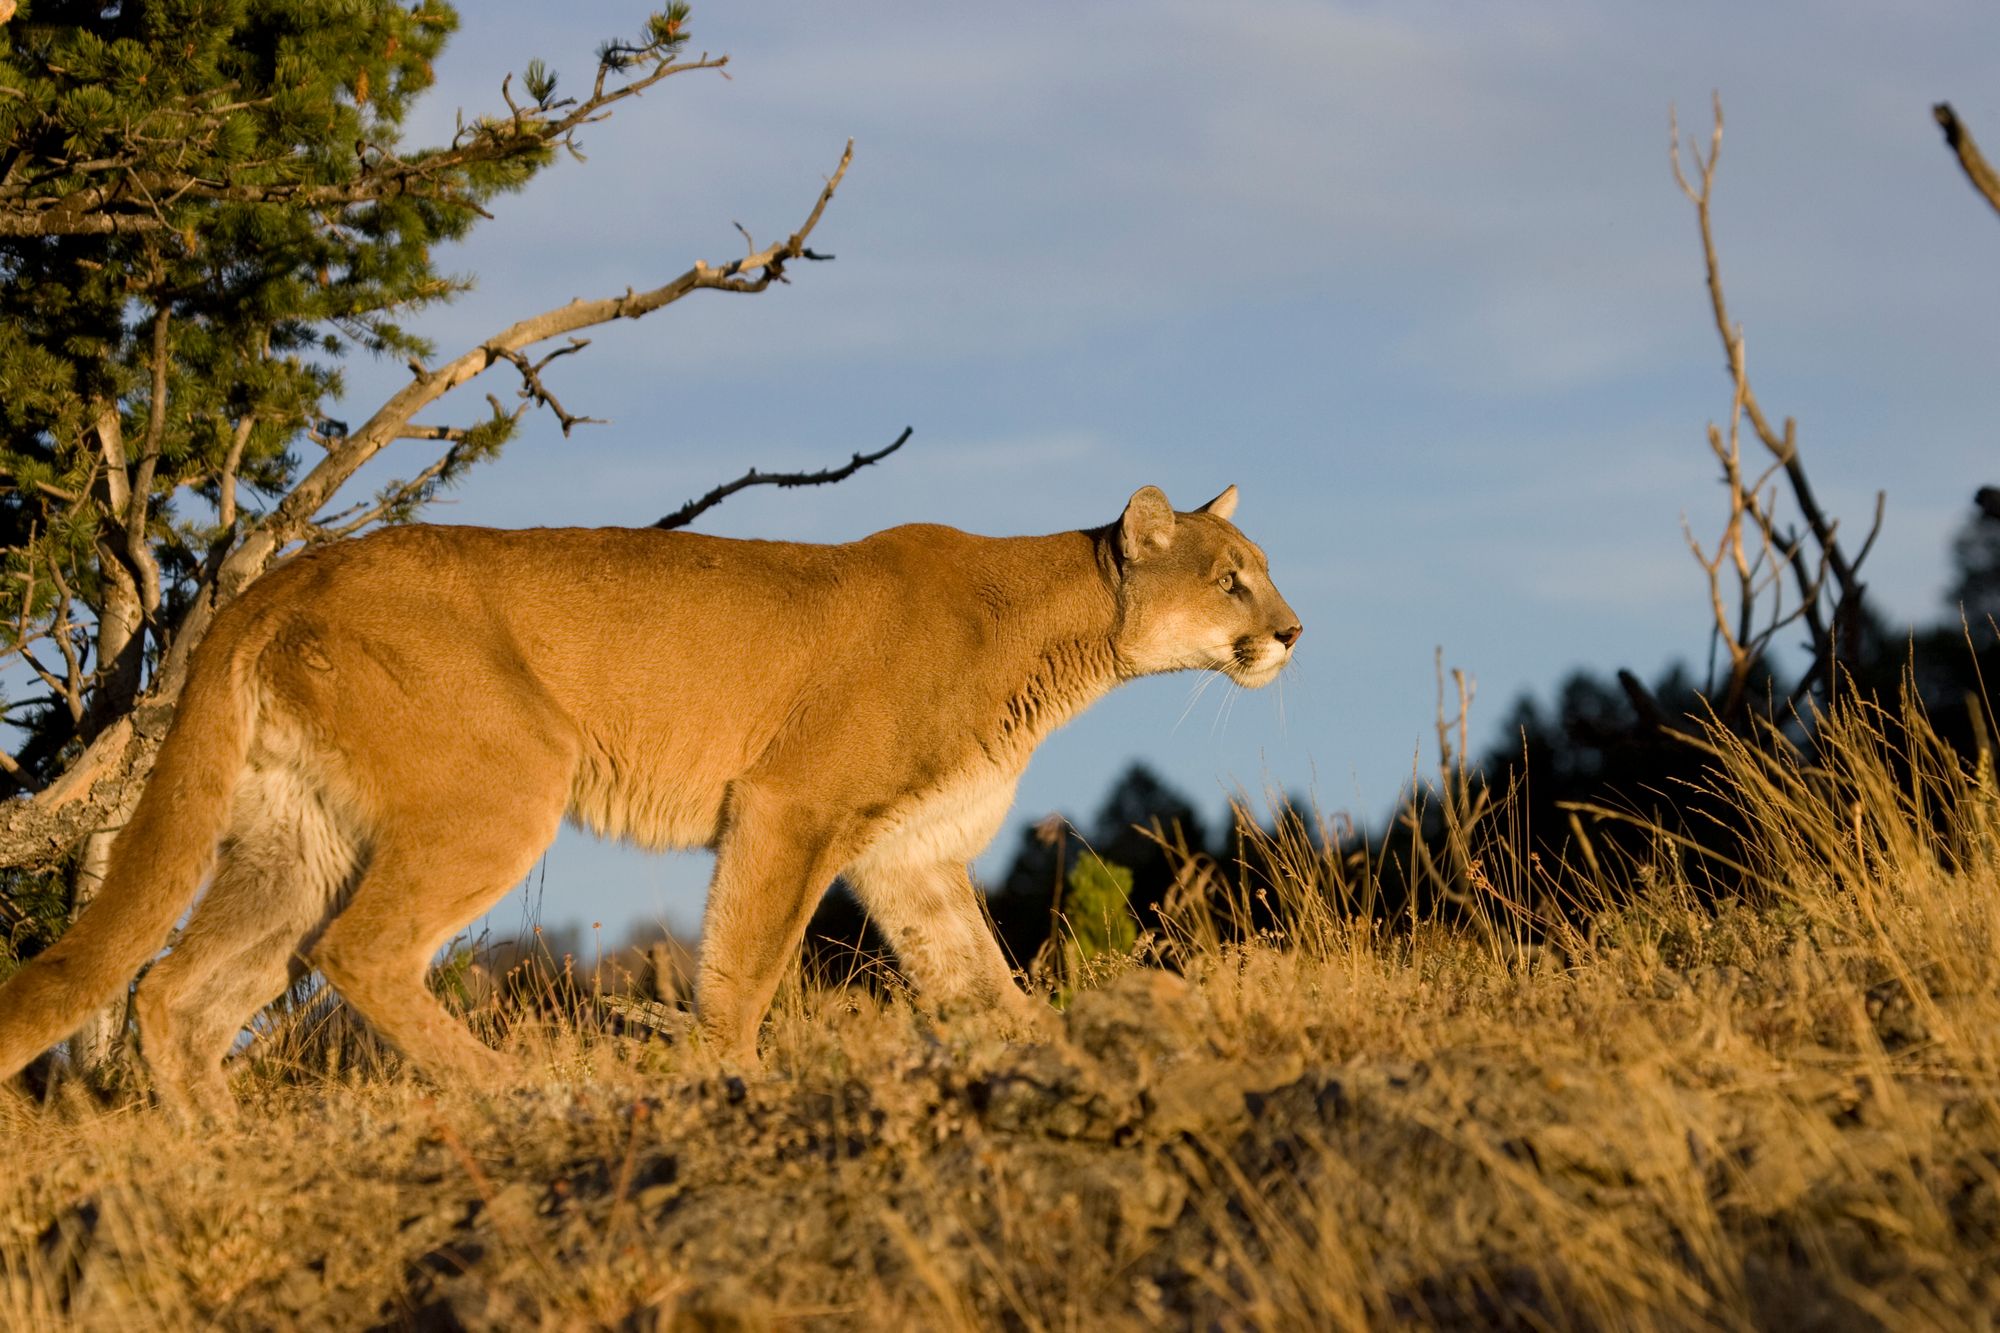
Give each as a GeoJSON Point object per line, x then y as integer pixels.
{"type": "Point", "coordinates": [440, 860]}
{"type": "Point", "coordinates": [284, 867]}
{"type": "Point", "coordinates": [774, 861]}
{"type": "Point", "coordinates": [931, 916]}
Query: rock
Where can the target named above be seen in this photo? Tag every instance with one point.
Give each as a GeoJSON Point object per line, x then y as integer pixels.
{"type": "Point", "coordinates": [1140, 1018]}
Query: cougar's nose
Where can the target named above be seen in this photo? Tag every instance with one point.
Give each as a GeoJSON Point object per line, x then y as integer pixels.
{"type": "Point", "coordinates": [1289, 635]}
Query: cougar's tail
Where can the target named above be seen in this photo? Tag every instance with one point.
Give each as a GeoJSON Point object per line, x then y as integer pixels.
{"type": "Point", "coordinates": [157, 864]}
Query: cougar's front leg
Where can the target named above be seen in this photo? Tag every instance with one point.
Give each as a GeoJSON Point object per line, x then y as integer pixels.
{"type": "Point", "coordinates": [931, 916]}
{"type": "Point", "coordinates": [774, 861]}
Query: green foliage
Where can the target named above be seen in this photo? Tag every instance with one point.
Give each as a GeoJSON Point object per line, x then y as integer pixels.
{"type": "Point", "coordinates": [454, 978]}
{"type": "Point", "coordinates": [1097, 906]}
{"type": "Point", "coordinates": [208, 206]}
{"type": "Point", "coordinates": [33, 910]}
{"type": "Point", "coordinates": [259, 301]}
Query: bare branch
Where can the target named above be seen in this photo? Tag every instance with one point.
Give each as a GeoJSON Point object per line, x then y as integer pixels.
{"type": "Point", "coordinates": [64, 633]}
{"type": "Point", "coordinates": [110, 432]}
{"type": "Point", "coordinates": [1977, 170]}
{"type": "Point", "coordinates": [69, 688]}
{"type": "Point", "coordinates": [404, 494]}
{"type": "Point", "coordinates": [292, 518]}
{"type": "Point", "coordinates": [225, 500]}
{"type": "Point", "coordinates": [1704, 167]}
{"type": "Point", "coordinates": [447, 433]}
{"type": "Point", "coordinates": [90, 795]}
{"type": "Point", "coordinates": [23, 780]}
{"type": "Point", "coordinates": [360, 516]}
{"type": "Point", "coordinates": [138, 550]}
{"type": "Point", "coordinates": [534, 390]}
{"type": "Point", "coordinates": [1834, 637]}
{"type": "Point", "coordinates": [693, 509]}
{"type": "Point", "coordinates": [34, 664]}
{"type": "Point", "coordinates": [1874, 528]}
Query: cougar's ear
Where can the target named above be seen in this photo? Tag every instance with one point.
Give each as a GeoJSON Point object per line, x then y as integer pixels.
{"type": "Point", "coordinates": [1223, 505]}
{"type": "Point", "coordinates": [1148, 525]}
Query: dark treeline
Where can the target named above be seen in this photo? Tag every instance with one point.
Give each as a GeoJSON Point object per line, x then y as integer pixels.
{"type": "Point", "coordinates": [1608, 742]}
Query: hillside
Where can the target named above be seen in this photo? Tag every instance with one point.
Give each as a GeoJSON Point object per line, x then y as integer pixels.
{"type": "Point", "coordinates": [1647, 1111]}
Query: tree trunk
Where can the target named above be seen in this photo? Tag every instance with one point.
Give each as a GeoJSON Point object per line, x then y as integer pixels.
{"type": "Point", "coordinates": [121, 643]}
{"type": "Point", "coordinates": [97, 1048]}
{"type": "Point", "coordinates": [41, 832]}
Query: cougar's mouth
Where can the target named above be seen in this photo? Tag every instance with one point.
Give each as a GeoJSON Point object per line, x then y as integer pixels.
{"type": "Point", "coordinates": [1255, 664]}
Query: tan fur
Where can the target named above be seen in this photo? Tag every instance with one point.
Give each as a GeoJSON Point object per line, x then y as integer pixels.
{"type": "Point", "coordinates": [383, 736]}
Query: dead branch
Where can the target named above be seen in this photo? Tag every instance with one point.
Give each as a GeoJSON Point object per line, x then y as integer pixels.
{"type": "Point", "coordinates": [292, 518]}
{"type": "Point", "coordinates": [65, 634]}
{"type": "Point", "coordinates": [533, 390]}
{"type": "Point", "coordinates": [110, 432]}
{"type": "Point", "coordinates": [449, 434]}
{"type": "Point", "coordinates": [138, 550]}
{"type": "Point", "coordinates": [1977, 170]}
{"type": "Point", "coordinates": [225, 490]}
{"type": "Point", "coordinates": [694, 509]}
{"type": "Point", "coordinates": [38, 832]}
{"type": "Point", "coordinates": [22, 779]}
{"type": "Point", "coordinates": [356, 517]}
{"type": "Point", "coordinates": [1835, 636]}
{"type": "Point", "coordinates": [1735, 633]}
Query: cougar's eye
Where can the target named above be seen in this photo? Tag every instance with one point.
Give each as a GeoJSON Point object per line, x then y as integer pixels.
{"type": "Point", "coordinates": [1227, 582]}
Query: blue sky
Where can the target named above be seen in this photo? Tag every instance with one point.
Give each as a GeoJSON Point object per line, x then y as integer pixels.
{"type": "Point", "coordinates": [1415, 277]}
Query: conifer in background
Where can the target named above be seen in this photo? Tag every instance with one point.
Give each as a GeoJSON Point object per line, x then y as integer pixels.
{"type": "Point", "coordinates": [207, 208]}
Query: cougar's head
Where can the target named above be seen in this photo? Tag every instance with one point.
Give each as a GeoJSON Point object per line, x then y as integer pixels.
{"type": "Point", "coordinates": [1194, 593]}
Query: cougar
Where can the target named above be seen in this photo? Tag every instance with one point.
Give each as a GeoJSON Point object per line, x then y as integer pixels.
{"type": "Point", "coordinates": [381, 736]}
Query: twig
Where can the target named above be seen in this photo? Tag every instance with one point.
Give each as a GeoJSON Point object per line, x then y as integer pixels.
{"type": "Point", "coordinates": [449, 434]}
{"type": "Point", "coordinates": [693, 509]}
{"type": "Point", "coordinates": [1977, 170]}
{"type": "Point", "coordinates": [361, 515]}
{"type": "Point", "coordinates": [63, 631]}
{"type": "Point", "coordinates": [534, 390]}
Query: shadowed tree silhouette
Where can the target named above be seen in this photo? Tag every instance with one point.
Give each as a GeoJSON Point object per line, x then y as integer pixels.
{"type": "Point", "coordinates": [1975, 554]}
{"type": "Point", "coordinates": [1140, 807]}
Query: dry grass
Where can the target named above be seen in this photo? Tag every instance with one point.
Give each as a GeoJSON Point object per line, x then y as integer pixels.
{"type": "Point", "coordinates": [1613, 1107]}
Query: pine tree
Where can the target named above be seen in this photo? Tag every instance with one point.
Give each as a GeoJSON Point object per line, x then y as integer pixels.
{"type": "Point", "coordinates": [206, 209]}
